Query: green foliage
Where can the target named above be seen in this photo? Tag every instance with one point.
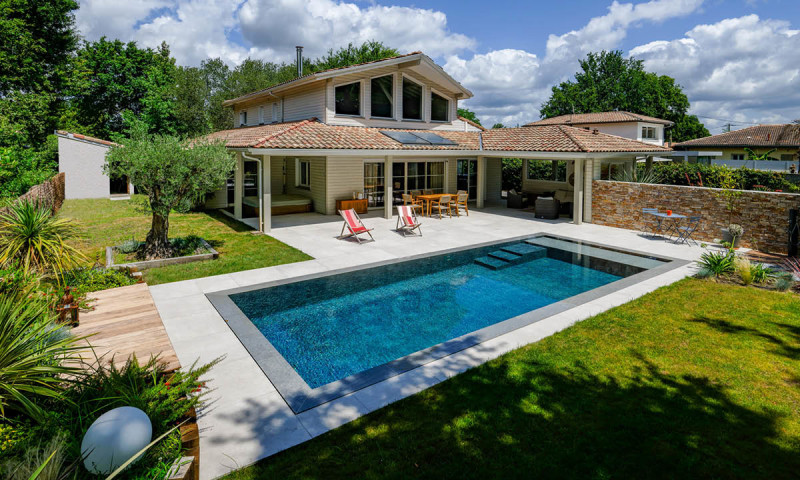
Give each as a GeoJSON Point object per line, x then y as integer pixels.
{"type": "Point", "coordinates": [368, 51]}
{"type": "Point", "coordinates": [512, 174]}
{"type": "Point", "coordinates": [22, 168]}
{"type": "Point", "coordinates": [170, 172]}
{"type": "Point", "coordinates": [26, 118]}
{"type": "Point", "coordinates": [31, 237]}
{"type": "Point", "coordinates": [784, 281]}
{"type": "Point", "coordinates": [469, 115]}
{"type": "Point", "coordinates": [129, 246]}
{"type": "Point", "coordinates": [609, 81]}
{"type": "Point", "coordinates": [188, 245]}
{"type": "Point", "coordinates": [754, 156]}
{"type": "Point", "coordinates": [715, 176]}
{"type": "Point", "coordinates": [730, 192]}
{"type": "Point", "coordinates": [112, 77]}
{"type": "Point", "coordinates": [40, 461]}
{"type": "Point", "coordinates": [744, 269]}
{"type": "Point", "coordinates": [85, 280]}
{"type": "Point", "coordinates": [761, 273]}
{"type": "Point", "coordinates": [34, 356]}
{"type": "Point", "coordinates": [641, 176]}
{"type": "Point", "coordinates": [190, 106]}
{"type": "Point", "coordinates": [717, 263]}
{"type": "Point", "coordinates": [15, 280]}
{"type": "Point", "coordinates": [498, 125]}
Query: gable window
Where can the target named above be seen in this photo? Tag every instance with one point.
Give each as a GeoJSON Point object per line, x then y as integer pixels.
{"type": "Point", "coordinates": [302, 173]}
{"type": "Point", "coordinates": [649, 133]}
{"type": "Point", "coordinates": [439, 108]}
{"type": "Point", "coordinates": [412, 100]}
{"type": "Point", "coordinates": [381, 96]}
{"type": "Point", "coordinates": [348, 99]}
{"type": "Point", "coordinates": [737, 156]}
{"type": "Point", "coordinates": [242, 118]}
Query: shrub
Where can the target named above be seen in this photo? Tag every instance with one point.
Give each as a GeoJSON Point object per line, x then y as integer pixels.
{"type": "Point", "coordinates": [714, 175]}
{"type": "Point", "coordinates": [15, 280]}
{"type": "Point", "coordinates": [129, 246]}
{"type": "Point", "coordinates": [31, 237]}
{"type": "Point", "coordinates": [784, 281]}
{"type": "Point", "coordinates": [22, 168]}
{"type": "Point", "coordinates": [744, 269]}
{"type": "Point", "coordinates": [35, 356]}
{"type": "Point", "coordinates": [85, 280]}
{"type": "Point", "coordinates": [760, 273]}
{"type": "Point", "coordinates": [50, 456]}
{"type": "Point", "coordinates": [717, 263]}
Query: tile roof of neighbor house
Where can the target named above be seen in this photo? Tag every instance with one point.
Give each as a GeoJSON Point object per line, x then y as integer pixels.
{"type": "Point", "coordinates": [86, 138]}
{"type": "Point", "coordinates": [598, 117]}
{"type": "Point", "coordinates": [312, 134]}
{"type": "Point", "coordinates": [780, 135]}
{"type": "Point", "coordinates": [561, 138]}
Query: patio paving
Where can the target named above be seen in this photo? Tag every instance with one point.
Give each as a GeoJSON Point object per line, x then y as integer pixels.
{"type": "Point", "coordinates": [247, 418]}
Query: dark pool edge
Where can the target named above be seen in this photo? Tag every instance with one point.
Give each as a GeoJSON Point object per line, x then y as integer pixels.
{"type": "Point", "coordinates": [300, 397]}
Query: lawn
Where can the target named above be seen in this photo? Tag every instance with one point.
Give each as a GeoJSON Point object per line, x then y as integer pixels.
{"type": "Point", "coordinates": [696, 380]}
{"type": "Point", "coordinates": [104, 222]}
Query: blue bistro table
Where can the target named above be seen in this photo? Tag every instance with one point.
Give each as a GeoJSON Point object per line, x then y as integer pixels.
{"type": "Point", "coordinates": [665, 228]}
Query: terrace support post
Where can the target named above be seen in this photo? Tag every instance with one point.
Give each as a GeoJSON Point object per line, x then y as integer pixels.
{"type": "Point", "coordinates": [266, 194]}
{"type": "Point", "coordinates": [588, 176]}
{"type": "Point", "coordinates": [481, 196]}
{"type": "Point", "coordinates": [387, 187]}
{"type": "Point", "coordinates": [577, 201]}
{"type": "Point", "coordinates": [238, 186]}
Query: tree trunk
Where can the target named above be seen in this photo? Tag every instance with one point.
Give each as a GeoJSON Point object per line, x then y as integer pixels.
{"type": "Point", "coordinates": [157, 242]}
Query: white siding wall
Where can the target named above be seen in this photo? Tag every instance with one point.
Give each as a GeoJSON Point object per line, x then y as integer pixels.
{"type": "Point", "coordinates": [82, 163]}
{"type": "Point", "coordinates": [345, 176]}
{"type": "Point", "coordinates": [305, 104]}
{"type": "Point", "coordinates": [494, 180]}
{"type": "Point", "coordinates": [317, 181]}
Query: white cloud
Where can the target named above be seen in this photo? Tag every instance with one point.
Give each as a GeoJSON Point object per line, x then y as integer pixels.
{"type": "Point", "coordinates": [269, 29]}
{"type": "Point", "coordinates": [743, 69]}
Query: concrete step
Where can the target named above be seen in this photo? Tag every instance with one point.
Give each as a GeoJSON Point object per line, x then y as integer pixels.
{"type": "Point", "coordinates": [492, 263]}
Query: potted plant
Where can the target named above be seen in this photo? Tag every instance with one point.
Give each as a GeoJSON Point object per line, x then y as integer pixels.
{"type": "Point", "coordinates": [732, 235]}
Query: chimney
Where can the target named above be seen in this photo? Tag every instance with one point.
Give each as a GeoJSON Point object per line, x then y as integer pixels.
{"type": "Point", "coordinates": [299, 60]}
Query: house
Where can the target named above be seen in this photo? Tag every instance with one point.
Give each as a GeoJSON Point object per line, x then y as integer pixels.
{"type": "Point", "coordinates": [624, 124]}
{"type": "Point", "coordinates": [785, 138]}
{"type": "Point", "coordinates": [81, 158]}
{"type": "Point", "coordinates": [384, 128]}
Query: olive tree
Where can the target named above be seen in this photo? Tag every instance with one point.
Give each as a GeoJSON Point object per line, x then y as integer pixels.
{"type": "Point", "coordinates": [171, 172]}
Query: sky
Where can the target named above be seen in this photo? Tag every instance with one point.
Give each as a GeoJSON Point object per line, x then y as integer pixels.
{"type": "Point", "coordinates": [737, 60]}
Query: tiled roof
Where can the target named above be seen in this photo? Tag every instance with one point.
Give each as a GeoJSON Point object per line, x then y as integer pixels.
{"type": "Point", "coordinates": [780, 135]}
{"type": "Point", "coordinates": [272, 87]}
{"type": "Point", "coordinates": [598, 117]}
{"type": "Point", "coordinates": [476, 125]}
{"type": "Point", "coordinates": [86, 138]}
{"type": "Point", "coordinates": [312, 134]}
{"type": "Point", "coordinates": [561, 138]}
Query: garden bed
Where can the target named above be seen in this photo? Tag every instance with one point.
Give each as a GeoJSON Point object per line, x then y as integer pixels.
{"type": "Point", "coordinates": [198, 256]}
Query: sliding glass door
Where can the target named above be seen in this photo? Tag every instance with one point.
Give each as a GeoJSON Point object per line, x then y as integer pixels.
{"type": "Point", "coordinates": [406, 177]}
{"type": "Point", "coordinates": [467, 177]}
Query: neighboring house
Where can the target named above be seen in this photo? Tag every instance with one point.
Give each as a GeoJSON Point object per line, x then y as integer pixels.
{"type": "Point", "coordinates": [785, 138]}
{"type": "Point", "coordinates": [623, 124]}
{"type": "Point", "coordinates": [388, 127]}
{"type": "Point", "coordinates": [81, 158]}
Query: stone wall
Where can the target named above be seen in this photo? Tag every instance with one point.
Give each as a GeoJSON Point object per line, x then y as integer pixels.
{"type": "Point", "coordinates": [764, 215]}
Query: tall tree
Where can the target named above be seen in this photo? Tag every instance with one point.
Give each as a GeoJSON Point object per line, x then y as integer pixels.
{"type": "Point", "coordinates": [111, 77]}
{"type": "Point", "coordinates": [191, 102]}
{"type": "Point", "coordinates": [369, 51]}
{"type": "Point", "coordinates": [608, 81]}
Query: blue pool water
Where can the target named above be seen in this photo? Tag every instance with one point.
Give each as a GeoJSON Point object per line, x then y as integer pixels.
{"type": "Point", "coordinates": [332, 327]}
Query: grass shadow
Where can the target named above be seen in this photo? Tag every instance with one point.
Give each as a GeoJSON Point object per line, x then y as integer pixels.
{"type": "Point", "coordinates": [783, 347]}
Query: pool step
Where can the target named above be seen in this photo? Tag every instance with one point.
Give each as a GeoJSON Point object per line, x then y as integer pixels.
{"type": "Point", "coordinates": [526, 250]}
{"type": "Point", "coordinates": [492, 263]}
{"type": "Point", "coordinates": [504, 255]}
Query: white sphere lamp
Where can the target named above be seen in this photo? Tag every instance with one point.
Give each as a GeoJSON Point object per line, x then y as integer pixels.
{"type": "Point", "coordinates": [115, 437]}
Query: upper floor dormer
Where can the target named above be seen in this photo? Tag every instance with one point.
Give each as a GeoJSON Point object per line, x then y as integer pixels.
{"type": "Point", "coordinates": [622, 124]}
{"type": "Point", "coordinates": [408, 91]}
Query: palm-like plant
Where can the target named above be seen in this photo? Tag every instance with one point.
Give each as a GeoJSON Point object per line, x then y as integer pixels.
{"type": "Point", "coordinates": [36, 240]}
{"type": "Point", "coordinates": [754, 156]}
{"type": "Point", "coordinates": [36, 357]}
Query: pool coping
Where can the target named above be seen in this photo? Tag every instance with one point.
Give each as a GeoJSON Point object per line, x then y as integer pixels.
{"type": "Point", "coordinates": [300, 397]}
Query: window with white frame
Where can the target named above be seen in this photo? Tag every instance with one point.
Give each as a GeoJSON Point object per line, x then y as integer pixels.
{"type": "Point", "coordinates": [243, 118]}
{"type": "Point", "coordinates": [649, 133]}
{"type": "Point", "coordinates": [381, 98]}
{"type": "Point", "coordinates": [302, 173]}
{"type": "Point", "coordinates": [440, 107]}
{"type": "Point", "coordinates": [737, 156]}
{"type": "Point", "coordinates": [412, 100]}
{"type": "Point", "coordinates": [348, 99]}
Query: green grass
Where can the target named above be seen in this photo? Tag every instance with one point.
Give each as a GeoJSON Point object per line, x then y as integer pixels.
{"type": "Point", "coordinates": [105, 223]}
{"type": "Point", "coordinates": [696, 380]}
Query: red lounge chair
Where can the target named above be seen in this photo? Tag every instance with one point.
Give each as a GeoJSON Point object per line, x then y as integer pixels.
{"type": "Point", "coordinates": [352, 222]}
{"type": "Point", "coordinates": [407, 220]}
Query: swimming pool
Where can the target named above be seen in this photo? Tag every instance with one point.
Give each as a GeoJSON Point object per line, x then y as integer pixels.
{"type": "Point", "coordinates": [328, 335]}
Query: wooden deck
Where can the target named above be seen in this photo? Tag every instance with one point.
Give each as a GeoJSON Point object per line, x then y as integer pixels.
{"type": "Point", "coordinates": [124, 322]}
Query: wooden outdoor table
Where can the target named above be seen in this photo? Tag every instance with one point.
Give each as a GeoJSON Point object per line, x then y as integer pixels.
{"type": "Point", "coordinates": [430, 198]}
